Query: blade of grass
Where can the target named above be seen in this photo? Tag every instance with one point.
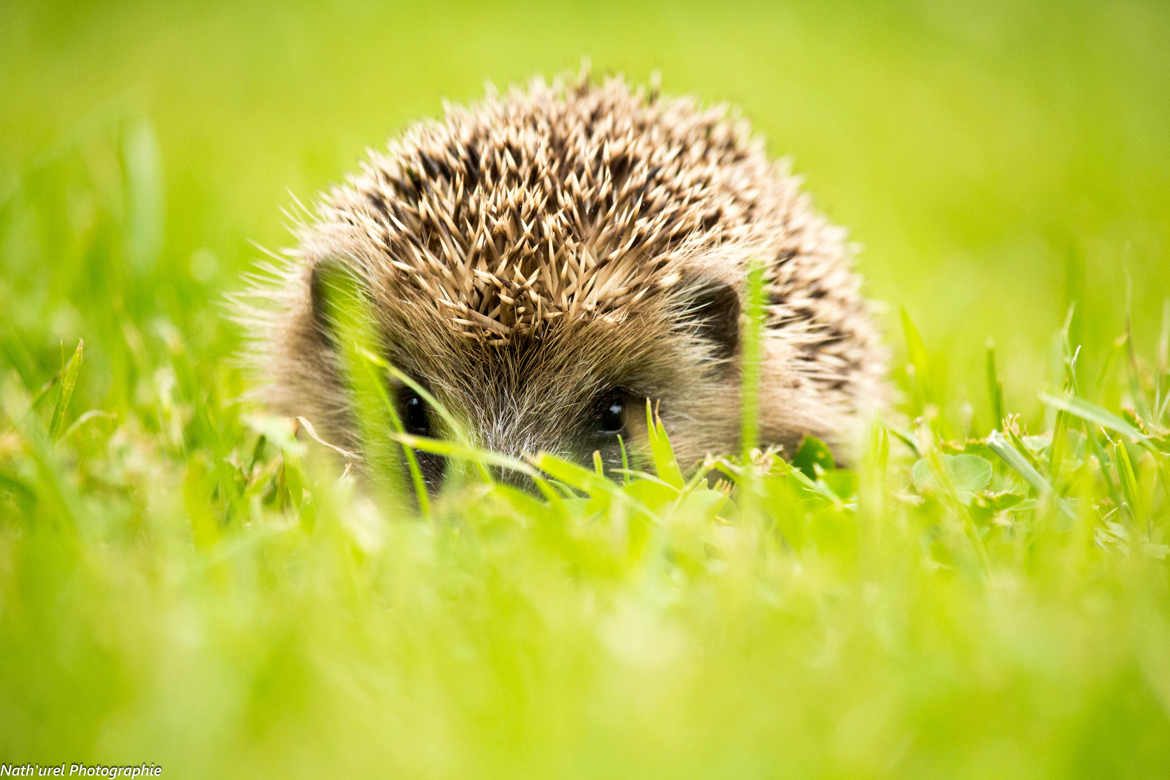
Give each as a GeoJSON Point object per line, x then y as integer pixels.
{"type": "Point", "coordinates": [661, 451]}
{"type": "Point", "coordinates": [590, 482]}
{"type": "Point", "coordinates": [751, 360]}
{"type": "Point", "coordinates": [918, 362]}
{"type": "Point", "coordinates": [347, 312]}
{"type": "Point", "coordinates": [69, 375]}
{"type": "Point", "coordinates": [994, 386]}
{"type": "Point", "coordinates": [1134, 373]}
{"type": "Point", "coordinates": [1127, 479]}
{"type": "Point", "coordinates": [416, 478]}
{"type": "Point", "coordinates": [455, 430]}
{"type": "Point", "coordinates": [1078, 407]}
{"type": "Point", "coordinates": [474, 455]}
{"type": "Point", "coordinates": [625, 460]}
{"type": "Point", "coordinates": [1003, 447]}
{"type": "Point", "coordinates": [1162, 375]}
{"type": "Point", "coordinates": [906, 438]}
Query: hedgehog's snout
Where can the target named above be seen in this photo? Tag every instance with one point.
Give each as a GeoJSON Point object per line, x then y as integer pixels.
{"type": "Point", "coordinates": [570, 431]}
{"type": "Point", "coordinates": [509, 435]}
{"type": "Point", "coordinates": [513, 478]}
{"type": "Point", "coordinates": [516, 436]}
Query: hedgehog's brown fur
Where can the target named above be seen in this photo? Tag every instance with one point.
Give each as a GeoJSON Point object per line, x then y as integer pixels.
{"type": "Point", "coordinates": [529, 252]}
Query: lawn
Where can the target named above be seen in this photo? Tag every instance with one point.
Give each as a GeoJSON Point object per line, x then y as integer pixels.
{"type": "Point", "coordinates": [985, 593]}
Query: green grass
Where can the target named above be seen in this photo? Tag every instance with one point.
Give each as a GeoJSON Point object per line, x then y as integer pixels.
{"type": "Point", "coordinates": [985, 594]}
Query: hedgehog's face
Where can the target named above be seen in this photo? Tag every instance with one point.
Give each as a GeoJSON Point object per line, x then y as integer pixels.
{"type": "Point", "coordinates": [572, 388]}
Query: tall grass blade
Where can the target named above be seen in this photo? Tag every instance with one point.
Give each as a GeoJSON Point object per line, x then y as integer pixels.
{"type": "Point", "coordinates": [994, 386]}
{"type": "Point", "coordinates": [919, 362]}
{"type": "Point", "coordinates": [1078, 407]}
{"type": "Point", "coordinates": [751, 351]}
{"type": "Point", "coordinates": [661, 451]}
{"type": "Point", "coordinates": [1003, 447]}
{"type": "Point", "coordinates": [347, 313]}
{"type": "Point", "coordinates": [69, 373]}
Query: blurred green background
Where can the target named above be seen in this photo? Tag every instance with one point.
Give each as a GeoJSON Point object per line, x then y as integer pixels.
{"type": "Point", "coordinates": [997, 161]}
{"type": "Point", "coordinates": [175, 587]}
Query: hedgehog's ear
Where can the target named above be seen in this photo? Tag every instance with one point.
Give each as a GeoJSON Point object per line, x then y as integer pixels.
{"type": "Point", "coordinates": [714, 310]}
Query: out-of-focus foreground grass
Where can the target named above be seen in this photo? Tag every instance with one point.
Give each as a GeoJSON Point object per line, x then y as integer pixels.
{"type": "Point", "coordinates": [182, 582]}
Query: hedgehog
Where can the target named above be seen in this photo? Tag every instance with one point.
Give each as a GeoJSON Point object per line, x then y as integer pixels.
{"type": "Point", "coordinates": [547, 261]}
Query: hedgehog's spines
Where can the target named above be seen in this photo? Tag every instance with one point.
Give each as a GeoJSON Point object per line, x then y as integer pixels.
{"type": "Point", "coordinates": [571, 206]}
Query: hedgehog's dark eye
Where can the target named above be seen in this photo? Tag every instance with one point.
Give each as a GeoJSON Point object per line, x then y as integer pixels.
{"type": "Point", "coordinates": [610, 418]}
{"type": "Point", "coordinates": [412, 409]}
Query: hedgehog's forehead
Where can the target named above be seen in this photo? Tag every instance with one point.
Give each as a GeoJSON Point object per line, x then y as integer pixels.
{"type": "Point", "coordinates": [510, 313]}
{"type": "Point", "coordinates": [444, 329]}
